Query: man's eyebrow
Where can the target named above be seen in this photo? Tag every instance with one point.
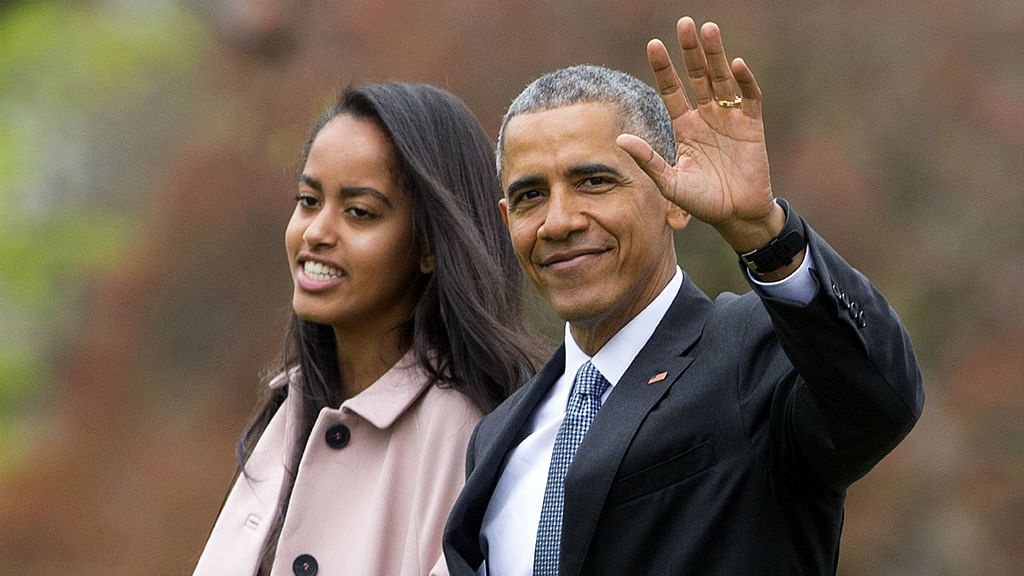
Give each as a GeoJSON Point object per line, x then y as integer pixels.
{"type": "Point", "coordinates": [592, 168]}
{"type": "Point", "coordinates": [524, 182]}
{"type": "Point", "coordinates": [347, 191]}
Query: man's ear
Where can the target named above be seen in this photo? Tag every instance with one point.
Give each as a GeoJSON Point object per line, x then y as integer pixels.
{"type": "Point", "coordinates": [503, 205]}
{"type": "Point", "coordinates": [676, 217]}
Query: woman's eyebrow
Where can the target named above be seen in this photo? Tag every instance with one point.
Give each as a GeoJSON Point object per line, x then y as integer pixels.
{"type": "Point", "coordinates": [311, 182]}
{"type": "Point", "coordinates": [356, 191]}
{"type": "Point", "coordinates": [346, 191]}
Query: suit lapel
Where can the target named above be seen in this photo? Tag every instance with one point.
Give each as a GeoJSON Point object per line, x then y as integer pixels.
{"type": "Point", "coordinates": [504, 429]}
{"type": "Point", "coordinates": [656, 368]}
{"type": "Point", "coordinates": [497, 434]}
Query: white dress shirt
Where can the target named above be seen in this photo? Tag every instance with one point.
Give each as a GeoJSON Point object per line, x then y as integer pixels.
{"type": "Point", "coordinates": [509, 528]}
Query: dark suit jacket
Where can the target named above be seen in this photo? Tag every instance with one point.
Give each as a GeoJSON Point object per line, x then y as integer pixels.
{"type": "Point", "coordinates": [738, 461]}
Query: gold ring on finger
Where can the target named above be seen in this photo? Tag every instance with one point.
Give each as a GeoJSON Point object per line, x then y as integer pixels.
{"type": "Point", "coordinates": [734, 103]}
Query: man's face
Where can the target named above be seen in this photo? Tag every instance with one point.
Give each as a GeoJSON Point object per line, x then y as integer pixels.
{"type": "Point", "coordinates": [590, 229]}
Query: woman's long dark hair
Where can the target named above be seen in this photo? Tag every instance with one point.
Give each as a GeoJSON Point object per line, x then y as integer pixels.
{"type": "Point", "coordinates": [467, 329]}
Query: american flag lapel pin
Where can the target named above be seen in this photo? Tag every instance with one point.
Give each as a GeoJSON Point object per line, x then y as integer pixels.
{"type": "Point", "coordinates": [657, 377]}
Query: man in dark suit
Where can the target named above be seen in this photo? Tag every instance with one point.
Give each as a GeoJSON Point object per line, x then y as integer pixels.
{"type": "Point", "coordinates": [672, 433]}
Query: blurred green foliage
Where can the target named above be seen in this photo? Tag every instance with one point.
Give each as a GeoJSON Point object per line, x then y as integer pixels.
{"type": "Point", "coordinates": [59, 65]}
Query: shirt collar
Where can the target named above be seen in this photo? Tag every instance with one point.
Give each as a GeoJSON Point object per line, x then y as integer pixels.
{"type": "Point", "coordinates": [617, 354]}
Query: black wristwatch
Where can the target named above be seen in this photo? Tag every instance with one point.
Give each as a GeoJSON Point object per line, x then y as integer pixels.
{"type": "Point", "coordinates": [781, 250]}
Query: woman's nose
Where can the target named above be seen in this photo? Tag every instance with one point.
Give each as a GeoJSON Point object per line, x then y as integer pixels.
{"type": "Point", "coordinates": [321, 230]}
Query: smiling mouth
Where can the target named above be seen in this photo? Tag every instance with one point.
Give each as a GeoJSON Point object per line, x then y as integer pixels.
{"type": "Point", "coordinates": [320, 272]}
{"type": "Point", "coordinates": [570, 258]}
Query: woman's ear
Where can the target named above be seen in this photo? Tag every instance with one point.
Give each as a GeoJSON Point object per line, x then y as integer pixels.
{"type": "Point", "coordinates": [427, 262]}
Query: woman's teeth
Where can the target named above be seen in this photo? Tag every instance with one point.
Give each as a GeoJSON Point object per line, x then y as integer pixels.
{"type": "Point", "coordinates": [318, 271]}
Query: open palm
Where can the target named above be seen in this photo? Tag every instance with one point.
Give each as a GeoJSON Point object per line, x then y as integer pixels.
{"type": "Point", "coordinates": [721, 171]}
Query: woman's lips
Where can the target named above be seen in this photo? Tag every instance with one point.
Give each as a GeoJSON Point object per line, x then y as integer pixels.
{"type": "Point", "coordinates": [318, 276]}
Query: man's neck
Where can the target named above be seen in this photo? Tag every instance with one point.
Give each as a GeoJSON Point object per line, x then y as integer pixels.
{"type": "Point", "coordinates": [593, 334]}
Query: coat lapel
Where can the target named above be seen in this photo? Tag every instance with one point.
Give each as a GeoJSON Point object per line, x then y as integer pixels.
{"type": "Point", "coordinates": [656, 368]}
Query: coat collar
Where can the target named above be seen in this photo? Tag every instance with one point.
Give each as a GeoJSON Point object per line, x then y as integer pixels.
{"type": "Point", "coordinates": [384, 401]}
{"type": "Point", "coordinates": [381, 404]}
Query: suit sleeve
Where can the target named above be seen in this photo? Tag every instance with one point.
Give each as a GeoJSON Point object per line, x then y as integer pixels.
{"type": "Point", "coordinates": [857, 390]}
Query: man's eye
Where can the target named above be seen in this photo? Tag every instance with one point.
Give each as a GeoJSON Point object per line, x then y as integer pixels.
{"type": "Point", "coordinates": [596, 181]}
{"type": "Point", "coordinates": [526, 196]}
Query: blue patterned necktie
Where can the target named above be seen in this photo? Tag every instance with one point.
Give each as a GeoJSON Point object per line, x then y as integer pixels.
{"type": "Point", "coordinates": [584, 402]}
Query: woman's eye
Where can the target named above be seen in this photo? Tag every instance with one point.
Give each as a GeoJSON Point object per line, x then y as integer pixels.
{"type": "Point", "coordinates": [359, 213]}
{"type": "Point", "coordinates": [306, 201]}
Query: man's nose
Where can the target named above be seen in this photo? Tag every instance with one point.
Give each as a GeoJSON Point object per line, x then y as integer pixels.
{"type": "Point", "coordinates": [564, 215]}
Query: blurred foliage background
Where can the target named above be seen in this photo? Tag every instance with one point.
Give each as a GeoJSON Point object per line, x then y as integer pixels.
{"type": "Point", "coordinates": [148, 154]}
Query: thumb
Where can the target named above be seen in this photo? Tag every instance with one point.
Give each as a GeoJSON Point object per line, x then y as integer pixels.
{"type": "Point", "coordinates": [650, 162]}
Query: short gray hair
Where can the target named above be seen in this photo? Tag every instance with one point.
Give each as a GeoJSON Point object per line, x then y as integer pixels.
{"type": "Point", "coordinates": [641, 111]}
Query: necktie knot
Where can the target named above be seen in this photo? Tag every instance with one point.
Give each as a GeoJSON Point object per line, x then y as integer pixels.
{"type": "Point", "coordinates": [590, 382]}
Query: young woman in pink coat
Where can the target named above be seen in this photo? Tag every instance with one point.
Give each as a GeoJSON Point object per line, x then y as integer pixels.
{"type": "Point", "coordinates": [406, 329]}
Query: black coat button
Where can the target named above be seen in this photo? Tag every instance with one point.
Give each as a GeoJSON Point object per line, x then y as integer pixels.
{"type": "Point", "coordinates": [855, 311]}
{"type": "Point", "coordinates": [305, 565]}
{"type": "Point", "coordinates": [337, 436]}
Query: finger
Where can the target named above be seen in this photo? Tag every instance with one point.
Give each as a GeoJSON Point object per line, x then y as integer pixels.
{"type": "Point", "coordinates": [718, 65]}
{"type": "Point", "coordinates": [670, 87]}
{"type": "Point", "coordinates": [693, 57]}
{"type": "Point", "coordinates": [749, 89]}
{"type": "Point", "coordinates": [650, 162]}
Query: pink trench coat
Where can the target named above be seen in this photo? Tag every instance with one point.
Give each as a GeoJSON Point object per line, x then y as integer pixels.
{"type": "Point", "coordinates": [373, 490]}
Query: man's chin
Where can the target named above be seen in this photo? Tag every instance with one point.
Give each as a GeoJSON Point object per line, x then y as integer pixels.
{"type": "Point", "coordinates": [579, 314]}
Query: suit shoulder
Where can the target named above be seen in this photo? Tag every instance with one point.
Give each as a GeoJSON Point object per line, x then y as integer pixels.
{"type": "Point", "coordinates": [500, 413]}
{"type": "Point", "coordinates": [734, 309]}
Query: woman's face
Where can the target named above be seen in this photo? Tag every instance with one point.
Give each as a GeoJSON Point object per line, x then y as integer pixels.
{"type": "Point", "coordinates": [353, 255]}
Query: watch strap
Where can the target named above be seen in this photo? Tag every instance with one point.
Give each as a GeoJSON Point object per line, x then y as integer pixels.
{"type": "Point", "coordinates": [781, 250]}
